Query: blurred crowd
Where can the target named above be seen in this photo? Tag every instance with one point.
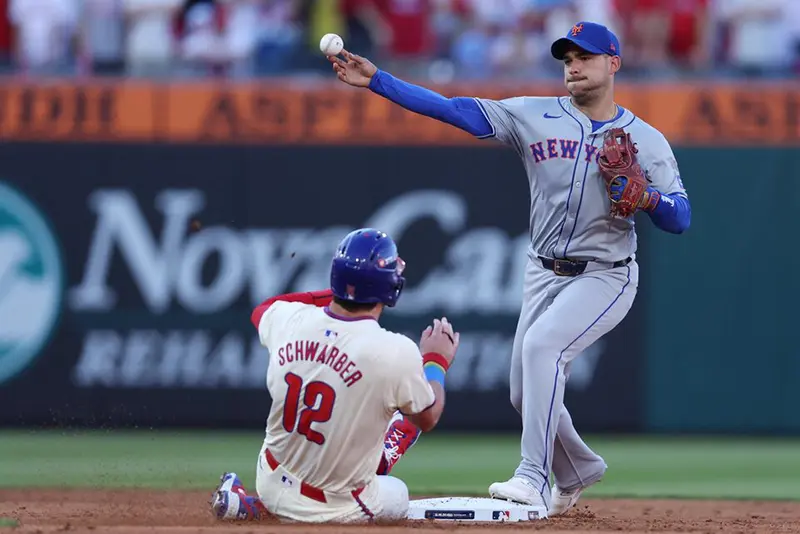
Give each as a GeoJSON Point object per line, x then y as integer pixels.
{"type": "Point", "coordinates": [439, 40]}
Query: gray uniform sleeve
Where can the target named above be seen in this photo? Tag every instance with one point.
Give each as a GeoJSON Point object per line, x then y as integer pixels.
{"type": "Point", "coordinates": [662, 167]}
{"type": "Point", "coordinates": [502, 115]}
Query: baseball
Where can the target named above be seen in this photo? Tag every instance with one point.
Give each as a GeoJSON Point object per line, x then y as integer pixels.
{"type": "Point", "coordinates": [331, 44]}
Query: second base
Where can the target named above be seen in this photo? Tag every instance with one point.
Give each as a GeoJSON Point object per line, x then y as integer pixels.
{"type": "Point", "coordinates": [472, 509]}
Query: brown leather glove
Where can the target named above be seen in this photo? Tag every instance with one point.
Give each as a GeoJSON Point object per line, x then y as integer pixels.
{"type": "Point", "coordinates": [626, 184]}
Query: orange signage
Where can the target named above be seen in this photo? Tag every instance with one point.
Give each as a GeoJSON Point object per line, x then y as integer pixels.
{"type": "Point", "coordinates": [329, 112]}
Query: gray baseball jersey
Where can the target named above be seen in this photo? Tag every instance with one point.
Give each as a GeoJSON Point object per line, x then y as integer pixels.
{"type": "Point", "coordinates": [561, 316]}
{"type": "Point", "coordinates": [569, 205]}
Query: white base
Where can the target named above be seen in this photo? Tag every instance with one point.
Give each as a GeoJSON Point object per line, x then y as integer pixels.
{"type": "Point", "coordinates": [472, 509]}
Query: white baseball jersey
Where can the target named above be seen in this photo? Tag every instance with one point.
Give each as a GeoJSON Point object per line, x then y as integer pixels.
{"type": "Point", "coordinates": [335, 383]}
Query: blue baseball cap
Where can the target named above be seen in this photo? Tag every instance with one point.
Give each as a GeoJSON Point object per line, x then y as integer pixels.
{"type": "Point", "coordinates": [590, 36]}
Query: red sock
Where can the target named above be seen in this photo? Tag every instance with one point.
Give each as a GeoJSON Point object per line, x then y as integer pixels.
{"type": "Point", "coordinates": [383, 466]}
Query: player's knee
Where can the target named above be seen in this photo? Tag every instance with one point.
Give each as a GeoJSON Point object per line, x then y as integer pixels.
{"type": "Point", "coordinates": [394, 497]}
{"type": "Point", "coordinates": [537, 346]}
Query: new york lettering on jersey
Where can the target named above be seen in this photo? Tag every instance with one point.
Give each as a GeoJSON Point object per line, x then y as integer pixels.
{"type": "Point", "coordinates": [562, 149]}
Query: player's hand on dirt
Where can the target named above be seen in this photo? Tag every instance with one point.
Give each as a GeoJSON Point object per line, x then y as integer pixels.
{"type": "Point", "coordinates": [440, 338]}
{"type": "Point", "coordinates": [353, 69]}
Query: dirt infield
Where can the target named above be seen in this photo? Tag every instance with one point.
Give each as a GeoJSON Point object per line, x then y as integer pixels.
{"type": "Point", "coordinates": [153, 512]}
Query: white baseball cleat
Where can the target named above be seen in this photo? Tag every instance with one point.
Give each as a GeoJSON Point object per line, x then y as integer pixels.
{"type": "Point", "coordinates": [519, 490]}
{"type": "Point", "coordinates": [562, 500]}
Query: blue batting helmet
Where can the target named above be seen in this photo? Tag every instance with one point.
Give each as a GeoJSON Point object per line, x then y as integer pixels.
{"type": "Point", "coordinates": [366, 268]}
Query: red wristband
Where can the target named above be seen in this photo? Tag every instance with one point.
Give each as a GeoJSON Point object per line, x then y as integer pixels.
{"type": "Point", "coordinates": [436, 358]}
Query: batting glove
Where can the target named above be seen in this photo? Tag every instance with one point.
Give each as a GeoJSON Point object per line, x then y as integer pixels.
{"type": "Point", "coordinates": [648, 202]}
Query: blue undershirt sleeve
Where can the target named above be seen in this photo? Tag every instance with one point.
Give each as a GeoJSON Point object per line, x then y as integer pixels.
{"type": "Point", "coordinates": [673, 213]}
{"type": "Point", "coordinates": [461, 112]}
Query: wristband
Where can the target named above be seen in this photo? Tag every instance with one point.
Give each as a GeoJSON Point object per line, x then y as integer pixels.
{"type": "Point", "coordinates": [438, 359]}
{"type": "Point", "coordinates": [435, 366]}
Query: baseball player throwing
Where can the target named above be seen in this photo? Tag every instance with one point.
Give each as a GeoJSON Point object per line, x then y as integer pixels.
{"type": "Point", "coordinates": [591, 165]}
{"type": "Point", "coordinates": [337, 381]}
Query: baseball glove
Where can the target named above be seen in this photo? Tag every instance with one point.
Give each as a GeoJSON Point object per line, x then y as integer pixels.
{"type": "Point", "coordinates": [625, 182]}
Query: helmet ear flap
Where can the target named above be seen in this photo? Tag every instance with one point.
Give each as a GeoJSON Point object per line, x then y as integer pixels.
{"type": "Point", "coordinates": [400, 281]}
{"type": "Point", "coordinates": [398, 289]}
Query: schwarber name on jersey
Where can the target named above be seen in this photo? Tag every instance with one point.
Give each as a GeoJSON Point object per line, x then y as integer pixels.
{"type": "Point", "coordinates": [310, 351]}
{"type": "Point", "coordinates": [335, 383]}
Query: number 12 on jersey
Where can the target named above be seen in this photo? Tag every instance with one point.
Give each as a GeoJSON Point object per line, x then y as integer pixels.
{"type": "Point", "coordinates": [317, 407]}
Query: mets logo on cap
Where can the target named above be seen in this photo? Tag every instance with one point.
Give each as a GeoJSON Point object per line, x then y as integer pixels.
{"type": "Point", "coordinates": [578, 28]}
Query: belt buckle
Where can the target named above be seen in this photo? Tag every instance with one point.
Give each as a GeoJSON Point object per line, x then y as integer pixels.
{"type": "Point", "coordinates": [557, 263]}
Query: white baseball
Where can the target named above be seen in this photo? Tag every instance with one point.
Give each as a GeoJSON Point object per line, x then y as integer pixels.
{"type": "Point", "coordinates": [331, 44]}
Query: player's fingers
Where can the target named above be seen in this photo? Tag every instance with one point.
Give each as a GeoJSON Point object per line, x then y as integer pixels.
{"type": "Point", "coordinates": [352, 57]}
{"type": "Point", "coordinates": [426, 333]}
{"type": "Point", "coordinates": [342, 76]}
{"type": "Point", "coordinates": [446, 326]}
{"type": "Point", "coordinates": [449, 334]}
{"type": "Point", "coordinates": [437, 327]}
{"type": "Point", "coordinates": [337, 61]}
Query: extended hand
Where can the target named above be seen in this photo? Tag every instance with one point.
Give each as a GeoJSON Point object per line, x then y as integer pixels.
{"type": "Point", "coordinates": [440, 338]}
{"type": "Point", "coordinates": [353, 70]}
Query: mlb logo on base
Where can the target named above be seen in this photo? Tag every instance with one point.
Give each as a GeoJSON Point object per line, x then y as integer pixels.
{"type": "Point", "coordinates": [502, 515]}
